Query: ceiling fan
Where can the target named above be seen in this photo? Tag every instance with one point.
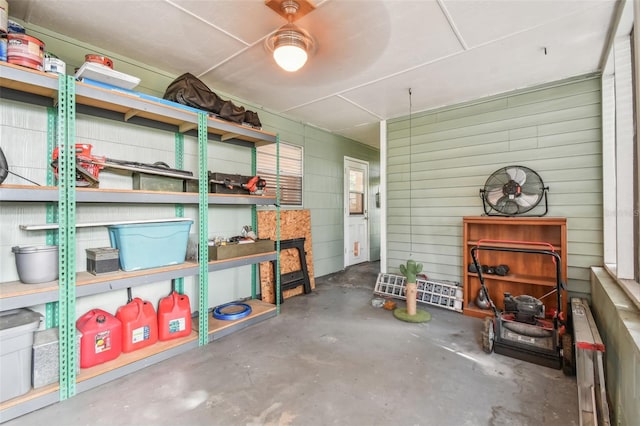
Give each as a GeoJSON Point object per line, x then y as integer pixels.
{"type": "Point", "coordinates": [290, 44]}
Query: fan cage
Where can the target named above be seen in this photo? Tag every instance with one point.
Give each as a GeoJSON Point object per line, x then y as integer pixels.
{"type": "Point", "coordinates": [505, 183]}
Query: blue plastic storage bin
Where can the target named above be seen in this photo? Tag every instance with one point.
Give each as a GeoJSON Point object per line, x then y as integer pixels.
{"type": "Point", "coordinates": [150, 245]}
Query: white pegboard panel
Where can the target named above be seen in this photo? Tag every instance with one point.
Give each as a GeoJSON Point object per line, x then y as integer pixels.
{"type": "Point", "coordinates": [445, 294]}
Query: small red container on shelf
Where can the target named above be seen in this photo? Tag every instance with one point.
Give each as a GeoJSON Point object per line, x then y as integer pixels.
{"type": "Point", "coordinates": [101, 337]}
{"type": "Point", "coordinates": [139, 324]}
{"type": "Point", "coordinates": [174, 316]}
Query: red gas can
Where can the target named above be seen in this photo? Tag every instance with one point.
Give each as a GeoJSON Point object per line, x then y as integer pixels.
{"type": "Point", "coordinates": [174, 316]}
{"type": "Point", "coordinates": [139, 324]}
{"type": "Point", "coordinates": [101, 337]}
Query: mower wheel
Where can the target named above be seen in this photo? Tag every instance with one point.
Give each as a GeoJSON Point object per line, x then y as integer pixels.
{"type": "Point", "coordinates": [568, 355]}
{"type": "Point", "coordinates": [488, 335]}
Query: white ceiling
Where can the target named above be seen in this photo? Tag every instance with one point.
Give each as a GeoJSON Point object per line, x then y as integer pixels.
{"type": "Point", "coordinates": [369, 52]}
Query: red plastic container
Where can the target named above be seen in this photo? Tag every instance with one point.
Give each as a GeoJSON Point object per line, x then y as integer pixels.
{"type": "Point", "coordinates": [101, 337]}
{"type": "Point", "coordinates": [26, 51]}
{"type": "Point", "coordinates": [174, 316]}
{"type": "Point", "coordinates": [139, 324]}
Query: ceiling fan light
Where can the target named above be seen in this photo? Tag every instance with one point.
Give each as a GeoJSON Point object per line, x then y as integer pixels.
{"type": "Point", "coordinates": [290, 47]}
{"type": "Point", "coordinates": [290, 56]}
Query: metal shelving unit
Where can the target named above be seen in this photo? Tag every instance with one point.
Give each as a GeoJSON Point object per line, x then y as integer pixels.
{"type": "Point", "coordinates": [71, 97]}
{"type": "Point", "coordinates": [20, 193]}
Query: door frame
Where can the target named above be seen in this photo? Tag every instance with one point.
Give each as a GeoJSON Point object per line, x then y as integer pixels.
{"type": "Point", "coordinates": [345, 214]}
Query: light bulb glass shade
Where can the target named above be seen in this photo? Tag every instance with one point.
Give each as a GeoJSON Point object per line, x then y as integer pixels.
{"type": "Point", "coordinates": [290, 57]}
{"type": "Point", "coordinates": [290, 47]}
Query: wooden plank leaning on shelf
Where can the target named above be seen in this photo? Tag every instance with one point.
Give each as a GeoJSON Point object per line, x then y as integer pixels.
{"type": "Point", "coordinates": [294, 224]}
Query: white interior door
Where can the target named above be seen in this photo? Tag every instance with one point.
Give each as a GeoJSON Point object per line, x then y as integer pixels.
{"type": "Point", "coordinates": [356, 215]}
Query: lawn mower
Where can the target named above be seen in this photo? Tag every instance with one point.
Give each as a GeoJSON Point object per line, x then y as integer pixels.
{"type": "Point", "coordinates": [523, 330]}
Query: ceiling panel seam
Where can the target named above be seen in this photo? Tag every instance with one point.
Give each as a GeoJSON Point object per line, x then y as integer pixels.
{"type": "Point", "coordinates": [355, 104]}
{"type": "Point", "coordinates": [188, 12]}
{"type": "Point", "coordinates": [534, 27]}
{"type": "Point", "coordinates": [374, 81]}
{"type": "Point", "coordinates": [452, 24]}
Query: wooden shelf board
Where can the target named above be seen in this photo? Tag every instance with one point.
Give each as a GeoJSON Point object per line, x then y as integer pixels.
{"type": "Point", "coordinates": [125, 110]}
{"type": "Point", "coordinates": [32, 394]}
{"type": "Point", "coordinates": [519, 220]}
{"type": "Point", "coordinates": [17, 288]}
{"type": "Point", "coordinates": [85, 278]}
{"type": "Point", "coordinates": [31, 88]}
{"type": "Point", "coordinates": [258, 308]}
{"type": "Point", "coordinates": [131, 357]}
{"type": "Point", "coordinates": [16, 193]}
{"type": "Point", "coordinates": [163, 113]}
{"type": "Point", "coordinates": [556, 245]}
{"type": "Point", "coordinates": [521, 279]}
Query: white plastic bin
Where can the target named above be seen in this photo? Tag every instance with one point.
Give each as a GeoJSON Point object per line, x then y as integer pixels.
{"type": "Point", "coordinates": [16, 342]}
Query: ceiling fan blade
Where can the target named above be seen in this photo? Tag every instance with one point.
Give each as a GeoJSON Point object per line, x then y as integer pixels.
{"type": "Point", "coordinates": [494, 195]}
{"type": "Point", "coordinates": [528, 200]}
{"type": "Point", "coordinates": [517, 175]}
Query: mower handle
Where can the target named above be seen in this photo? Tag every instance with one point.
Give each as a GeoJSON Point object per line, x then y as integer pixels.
{"type": "Point", "coordinates": [525, 243]}
{"type": "Point", "coordinates": [555, 257]}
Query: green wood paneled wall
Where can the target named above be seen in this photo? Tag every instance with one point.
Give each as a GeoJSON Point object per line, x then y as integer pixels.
{"type": "Point", "coordinates": [435, 171]}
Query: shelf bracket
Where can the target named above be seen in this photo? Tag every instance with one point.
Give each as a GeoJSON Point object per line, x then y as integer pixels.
{"type": "Point", "coordinates": [130, 114]}
{"type": "Point", "coordinates": [228, 136]}
{"type": "Point", "coordinates": [185, 127]}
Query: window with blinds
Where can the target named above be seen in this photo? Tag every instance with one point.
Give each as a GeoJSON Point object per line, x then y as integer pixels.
{"type": "Point", "coordinates": [290, 171]}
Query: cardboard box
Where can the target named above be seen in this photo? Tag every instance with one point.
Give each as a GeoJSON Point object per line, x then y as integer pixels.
{"type": "Point", "coordinates": [237, 250]}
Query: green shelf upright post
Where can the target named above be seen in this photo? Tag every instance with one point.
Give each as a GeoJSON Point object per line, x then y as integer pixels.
{"type": "Point", "coordinates": [203, 226]}
{"type": "Point", "coordinates": [179, 153]}
{"type": "Point", "coordinates": [277, 277]}
{"type": "Point", "coordinates": [255, 277]}
{"type": "Point", "coordinates": [67, 236]}
{"type": "Point", "coordinates": [51, 308]}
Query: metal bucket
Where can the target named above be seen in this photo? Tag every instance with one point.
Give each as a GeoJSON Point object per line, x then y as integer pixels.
{"type": "Point", "coordinates": [36, 264]}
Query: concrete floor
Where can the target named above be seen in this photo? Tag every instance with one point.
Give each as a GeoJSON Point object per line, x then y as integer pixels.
{"type": "Point", "coordinates": [330, 358]}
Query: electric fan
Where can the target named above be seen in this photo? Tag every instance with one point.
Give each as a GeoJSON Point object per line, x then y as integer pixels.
{"type": "Point", "coordinates": [512, 191]}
